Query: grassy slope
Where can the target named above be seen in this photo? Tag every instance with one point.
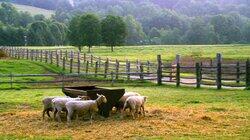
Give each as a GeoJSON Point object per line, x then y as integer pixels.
{"type": "Point", "coordinates": [34, 10]}
{"type": "Point", "coordinates": [25, 67]}
{"type": "Point", "coordinates": [183, 112]}
{"type": "Point", "coordinates": [168, 52]}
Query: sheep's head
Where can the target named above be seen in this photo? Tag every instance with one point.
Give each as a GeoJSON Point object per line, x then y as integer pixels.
{"type": "Point", "coordinates": [102, 97]}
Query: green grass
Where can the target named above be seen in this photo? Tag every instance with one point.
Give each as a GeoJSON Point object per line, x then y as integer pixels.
{"type": "Point", "coordinates": [9, 66]}
{"type": "Point", "coordinates": [223, 107]}
{"type": "Point", "coordinates": [168, 52]}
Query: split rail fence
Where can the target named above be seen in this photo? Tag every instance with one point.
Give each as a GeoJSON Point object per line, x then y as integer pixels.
{"type": "Point", "coordinates": [215, 74]}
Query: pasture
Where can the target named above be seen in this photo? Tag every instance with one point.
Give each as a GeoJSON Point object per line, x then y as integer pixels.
{"type": "Point", "coordinates": [171, 113]}
{"type": "Point", "coordinates": [168, 52]}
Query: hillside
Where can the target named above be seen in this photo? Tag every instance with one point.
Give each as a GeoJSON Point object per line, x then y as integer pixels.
{"type": "Point", "coordinates": [34, 10]}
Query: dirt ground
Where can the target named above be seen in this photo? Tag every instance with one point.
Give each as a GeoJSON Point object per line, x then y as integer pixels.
{"type": "Point", "coordinates": [162, 123]}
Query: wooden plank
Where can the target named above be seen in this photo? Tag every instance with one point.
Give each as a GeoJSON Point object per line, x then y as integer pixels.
{"type": "Point", "coordinates": [159, 70]}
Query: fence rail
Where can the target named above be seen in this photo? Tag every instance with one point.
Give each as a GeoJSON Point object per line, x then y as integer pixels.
{"type": "Point", "coordinates": [215, 73]}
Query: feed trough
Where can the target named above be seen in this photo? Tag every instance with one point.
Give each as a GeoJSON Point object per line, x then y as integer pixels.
{"type": "Point", "coordinates": [112, 95]}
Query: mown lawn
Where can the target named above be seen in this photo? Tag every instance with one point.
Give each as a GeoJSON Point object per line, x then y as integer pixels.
{"type": "Point", "coordinates": [175, 113]}
{"type": "Point", "coordinates": [168, 52]}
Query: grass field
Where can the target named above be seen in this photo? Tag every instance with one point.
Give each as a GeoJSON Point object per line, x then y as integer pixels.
{"type": "Point", "coordinates": [168, 52]}
{"type": "Point", "coordinates": [9, 66]}
{"type": "Point", "coordinates": [34, 10]}
{"type": "Point", "coordinates": [171, 113]}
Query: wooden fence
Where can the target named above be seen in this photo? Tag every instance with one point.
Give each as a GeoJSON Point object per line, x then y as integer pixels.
{"type": "Point", "coordinates": [215, 74]}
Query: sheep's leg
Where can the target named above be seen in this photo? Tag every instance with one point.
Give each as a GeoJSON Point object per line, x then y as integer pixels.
{"type": "Point", "coordinates": [69, 116]}
{"type": "Point", "coordinates": [133, 113]}
{"type": "Point", "coordinates": [143, 110]}
{"type": "Point", "coordinates": [91, 117]}
{"type": "Point", "coordinates": [58, 116]}
{"type": "Point", "coordinates": [55, 112]}
{"type": "Point", "coordinates": [137, 112]}
{"type": "Point", "coordinates": [48, 113]}
{"type": "Point", "coordinates": [44, 113]}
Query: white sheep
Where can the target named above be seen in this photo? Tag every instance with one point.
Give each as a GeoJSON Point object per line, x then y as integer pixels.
{"type": "Point", "coordinates": [47, 104]}
{"type": "Point", "coordinates": [81, 106]}
{"type": "Point", "coordinates": [59, 105]}
{"type": "Point", "coordinates": [122, 100]}
{"type": "Point", "coordinates": [135, 103]}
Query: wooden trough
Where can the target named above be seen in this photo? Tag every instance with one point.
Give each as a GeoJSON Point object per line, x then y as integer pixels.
{"type": "Point", "coordinates": [112, 95]}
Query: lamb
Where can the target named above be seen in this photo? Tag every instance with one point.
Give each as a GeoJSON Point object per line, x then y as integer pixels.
{"type": "Point", "coordinates": [81, 106]}
{"type": "Point", "coordinates": [47, 104]}
{"type": "Point", "coordinates": [122, 100]}
{"type": "Point", "coordinates": [59, 105]}
{"type": "Point", "coordinates": [135, 103]}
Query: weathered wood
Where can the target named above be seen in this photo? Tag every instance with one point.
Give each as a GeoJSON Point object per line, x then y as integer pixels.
{"type": "Point", "coordinates": [99, 62]}
{"type": "Point", "coordinates": [198, 75]}
{"type": "Point", "coordinates": [91, 60]}
{"type": "Point", "coordinates": [84, 57]}
{"type": "Point", "coordinates": [41, 55]}
{"type": "Point", "coordinates": [117, 65]}
{"type": "Point", "coordinates": [66, 55]}
{"type": "Point", "coordinates": [31, 54]}
{"type": "Point", "coordinates": [96, 68]}
{"type": "Point", "coordinates": [87, 67]}
{"type": "Point", "coordinates": [177, 58]}
{"type": "Point", "coordinates": [37, 54]}
{"type": "Point", "coordinates": [218, 81]}
{"type": "Point", "coordinates": [128, 69]}
{"type": "Point", "coordinates": [51, 57]}
{"type": "Point", "coordinates": [238, 72]}
{"type": "Point", "coordinates": [46, 56]}
{"type": "Point", "coordinates": [178, 78]}
{"type": "Point", "coordinates": [64, 61]}
{"type": "Point", "coordinates": [71, 54]}
{"type": "Point", "coordinates": [159, 70]}
{"type": "Point", "coordinates": [248, 74]}
{"type": "Point", "coordinates": [137, 65]}
{"type": "Point", "coordinates": [106, 68]}
{"type": "Point", "coordinates": [148, 67]}
{"type": "Point", "coordinates": [57, 60]}
{"type": "Point", "coordinates": [141, 72]}
{"type": "Point", "coordinates": [219, 74]}
{"type": "Point", "coordinates": [78, 65]}
{"type": "Point", "coordinates": [71, 66]}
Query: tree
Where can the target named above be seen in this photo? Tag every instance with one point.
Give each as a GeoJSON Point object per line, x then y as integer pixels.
{"type": "Point", "coordinates": [39, 34]}
{"type": "Point", "coordinates": [113, 31]}
{"type": "Point", "coordinates": [135, 34]}
{"type": "Point", "coordinates": [74, 35]}
{"type": "Point", "coordinates": [90, 30]}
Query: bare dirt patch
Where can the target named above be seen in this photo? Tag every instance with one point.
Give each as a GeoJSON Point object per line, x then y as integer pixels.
{"type": "Point", "coordinates": [162, 122]}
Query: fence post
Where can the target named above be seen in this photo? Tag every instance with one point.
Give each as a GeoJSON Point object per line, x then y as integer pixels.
{"type": "Point", "coordinates": [71, 65]}
{"type": "Point", "coordinates": [57, 60]}
{"type": "Point", "coordinates": [238, 72]}
{"type": "Point", "coordinates": [60, 54]}
{"type": "Point", "coordinates": [96, 68]}
{"type": "Point", "coordinates": [11, 80]}
{"type": "Point", "coordinates": [64, 59]}
{"type": "Point", "coordinates": [198, 78]}
{"type": "Point", "coordinates": [178, 78]}
{"type": "Point", "coordinates": [159, 70]}
{"type": "Point", "coordinates": [106, 68]}
{"type": "Point", "coordinates": [91, 60]}
{"type": "Point", "coordinates": [71, 54]}
{"type": "Point", "coordinates": [87, 67]}
{"type": "Point", "coordinates": [78, 65]}
{"type": "Point", "coordinates": [84, 57]}
{"type": "Point", "coordinates": [112, 78]}
{"type": "Point", "coordinates": [137, 65]}
{"type": "Point", "coordinates": [128, 69]}
{"type": "Point", "coordinates": [31, 55]}
{"type": "Point", "coordinates": [218, 81]}
{"type": "Point", "coordinates": [141, 72]}
{"type": "Point", "coordinates": [248, 74]}
{"type": "Point", "coordinates": [27, 54]}
{"type": "Point", "coordinates": [18, 53]}
{"type": "Point", "coordinates": [41, 55]}
{"type": "Point", "coordinates": [148, 67]}
{"type": "Point", "coordinates": [46, 56]}
{"type": "Point", "coordinates": [117, 69]}
{"type": "Point", "coordinates": [51, 57]}
{"type": "Point", "coordinates": [99, 62]}
{"type": "Point", "coordinates": [66, 55]}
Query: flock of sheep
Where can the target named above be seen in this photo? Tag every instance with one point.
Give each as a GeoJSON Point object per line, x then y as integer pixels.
{"type": "Point", "coordinates": [74, 106]}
